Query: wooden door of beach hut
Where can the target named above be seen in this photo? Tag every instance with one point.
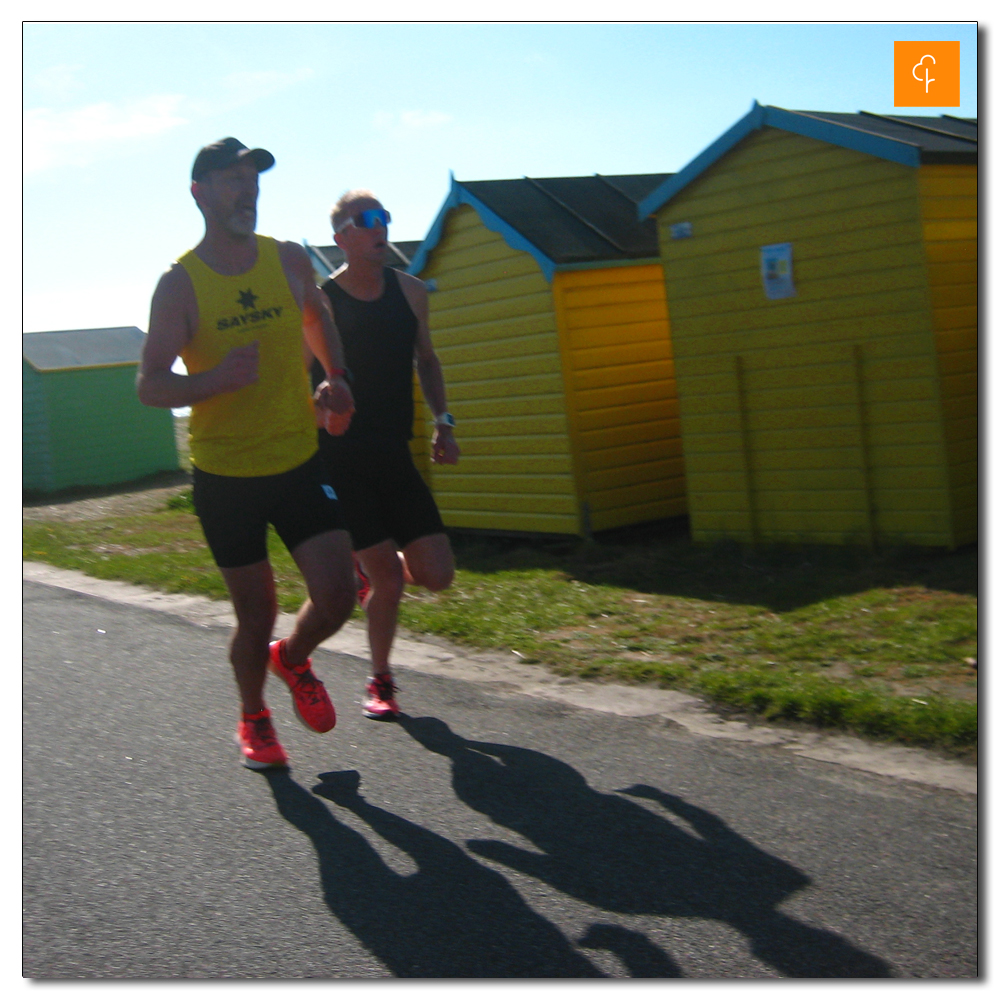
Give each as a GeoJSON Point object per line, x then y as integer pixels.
{"type": "Point", "coordinates": [821, 273]}
{"type": "Point", "coordinates": [82, 422]}
{"type": "Point", "coordinates": [549, 314]}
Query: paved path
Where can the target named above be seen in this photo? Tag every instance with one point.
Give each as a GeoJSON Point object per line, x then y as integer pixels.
{"type": "Point", "coordinates": [508, 826]}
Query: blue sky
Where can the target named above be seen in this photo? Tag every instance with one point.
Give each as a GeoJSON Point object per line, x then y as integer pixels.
{"type": "Point", "coordinates": [115, 112]}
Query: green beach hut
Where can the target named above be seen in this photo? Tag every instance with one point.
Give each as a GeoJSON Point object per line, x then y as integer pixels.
{"type": "Point", "coordinates": [549, 315]}
{"type": "Point", "coordinates": [82, 423]}
{"type": "Point", "coordinates": [821, 271]}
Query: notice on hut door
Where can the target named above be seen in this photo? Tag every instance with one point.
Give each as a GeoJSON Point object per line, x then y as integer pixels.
{"type": "Point", "coordinates": [925, 74]}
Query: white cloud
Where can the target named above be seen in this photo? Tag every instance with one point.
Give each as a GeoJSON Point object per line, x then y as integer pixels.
{"type": "Point", "coordinates": [252, 85]}
{"type": "Point", "coordinates": [79, 136]}
{"type": "Point", "coordinates": [236, 90]}
{"type": "Point", "coordinates": [58, 81]}
{"type": "Point", "coordinates": [74, 137]}
{"type": "Point", "coordinates": [409, 121]}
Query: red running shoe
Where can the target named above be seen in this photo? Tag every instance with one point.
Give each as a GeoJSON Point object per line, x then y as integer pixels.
{"type": "Point", "coordinates": [312, 703]}
{"type": "Point", "coordinates": [364, 584]}
{"type": "Point", "coordinates": [258, 742]}
{"type": "Point", "coordinates": [380, 702]}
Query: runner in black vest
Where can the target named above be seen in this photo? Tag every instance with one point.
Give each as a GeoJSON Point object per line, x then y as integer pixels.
{"type": "Point", "coordinates": [396, 530]}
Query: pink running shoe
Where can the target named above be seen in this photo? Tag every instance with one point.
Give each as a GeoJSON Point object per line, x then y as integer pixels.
{"type": "Point", "coordinates": [364, 584]}
{"type": "Point", "coordinates": [312, 703]}
{"type": "Point", "coordinates": [258, 742]}
{"type": "Point", "coordinates": [380, 702]}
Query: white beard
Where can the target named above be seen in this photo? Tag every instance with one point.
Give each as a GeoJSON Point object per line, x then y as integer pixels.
{"type": "Point", "coordinates": [239, 225]}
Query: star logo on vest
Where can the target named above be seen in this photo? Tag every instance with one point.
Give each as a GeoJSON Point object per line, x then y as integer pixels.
{"type": "Point", "coordinates": [250, 316]}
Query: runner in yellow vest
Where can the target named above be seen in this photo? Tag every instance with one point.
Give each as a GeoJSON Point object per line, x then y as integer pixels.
{"type": "Point", "coordinates": [239, 310]}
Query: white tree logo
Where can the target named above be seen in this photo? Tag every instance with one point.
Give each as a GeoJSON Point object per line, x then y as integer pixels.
{"type": "Point", "coordinates": [926, 79]}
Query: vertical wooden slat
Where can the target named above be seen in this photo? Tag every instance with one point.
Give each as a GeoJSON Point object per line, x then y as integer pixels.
{"type": "Point", "coordinates": [580, 489]}
{"type": "Point", "coordinates": [866, 478]}
{"type": "Point", "coordinates": [949, 208]}
{"type": "Point", "coordinates": [742, 412]}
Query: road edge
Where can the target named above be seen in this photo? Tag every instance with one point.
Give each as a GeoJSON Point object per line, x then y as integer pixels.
{"type": "Point", "coordinates": [435, 656]}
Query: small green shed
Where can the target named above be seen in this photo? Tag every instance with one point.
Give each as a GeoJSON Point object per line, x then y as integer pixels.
{"type": "Point", "coordinates": [82, 423]}
{"type": "Point", "coordinates": [821, 270]}
{"type": "Point", "coordinates": [549, 314]}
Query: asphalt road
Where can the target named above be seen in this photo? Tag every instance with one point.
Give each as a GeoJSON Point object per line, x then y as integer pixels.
{"type": "Point", "coordinates": [486, 835]}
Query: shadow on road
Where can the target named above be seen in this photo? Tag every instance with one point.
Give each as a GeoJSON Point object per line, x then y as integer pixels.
{"type": "Point", "coordinates": [453, 918]}
{"type": "Point", "coordinates": [613, 853]}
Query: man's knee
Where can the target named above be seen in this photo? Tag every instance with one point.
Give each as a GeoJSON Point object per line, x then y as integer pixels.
{"type": "Point", "coordinates": [431, 563]}
{"type": "Point", "coordinates": [333, 593]}
{"type": "Point", "coordinates": [389, 587]}
{"type": "Point", "coordinates": [385, 573]}
{"type": "Point", "coordinates": [255, 603]}
{"type": "Point", "coordinates": [335, 605]}
{"type": "Point", "coordinates": [435, 578]}
{"type": "Point", "coordinates": [325, 564]}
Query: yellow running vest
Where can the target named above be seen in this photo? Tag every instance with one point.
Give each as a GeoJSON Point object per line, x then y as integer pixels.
{"type": "Point", "coordinates": [268, 427]}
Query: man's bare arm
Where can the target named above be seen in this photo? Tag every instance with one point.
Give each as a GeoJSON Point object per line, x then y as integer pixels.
{"type": "Point", "coordinates": [318, 325]}
{"type": "Point", "coordinates": [444, 448]}
{"type": "Point", "coordinates": [321, 337]}
{"type": "Point", "coordinates": [172, 319]}
{"type": "Point", "coordinates": [320, 329]}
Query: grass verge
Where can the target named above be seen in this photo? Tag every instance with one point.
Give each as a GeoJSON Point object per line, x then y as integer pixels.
{"type": "Point", "coordinates": [881, 644]}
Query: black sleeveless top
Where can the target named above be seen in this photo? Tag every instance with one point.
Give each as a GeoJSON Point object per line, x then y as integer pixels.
{"type": "Point", "coordinates": [379, 339]}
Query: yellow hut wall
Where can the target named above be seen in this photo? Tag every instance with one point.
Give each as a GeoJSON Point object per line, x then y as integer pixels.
{"type": "Point", "coordinates": [949, 207]}
{"type": "Point", "coordinates": [622, 394]}
{"type": "Point", "coordinates": [494, 329]}
{"type": "Point", "coordinates": [815, 418]}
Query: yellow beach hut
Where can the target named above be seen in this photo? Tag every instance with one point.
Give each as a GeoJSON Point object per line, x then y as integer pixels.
{"type": "Point", "coordinates": [822, 279]}
{"type": "Point", "coordinates": [549, 315]}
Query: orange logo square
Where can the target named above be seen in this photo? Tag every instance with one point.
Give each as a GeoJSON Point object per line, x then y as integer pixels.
{"type": "Point", "coordinates": [926, 74]}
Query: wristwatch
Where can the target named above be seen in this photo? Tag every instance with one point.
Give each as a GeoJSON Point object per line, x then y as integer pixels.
{"type": "Point", "coordinates": [444, 420]}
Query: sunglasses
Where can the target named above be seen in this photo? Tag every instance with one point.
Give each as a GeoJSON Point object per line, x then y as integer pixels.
{"type": "Point", "coordinates": [368, 219]}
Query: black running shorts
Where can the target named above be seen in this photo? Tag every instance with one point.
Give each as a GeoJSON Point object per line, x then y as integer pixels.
{"type": "Point", "coordinates": [382, 495]}
{"type": "Point", "coordinates": [235, 510]}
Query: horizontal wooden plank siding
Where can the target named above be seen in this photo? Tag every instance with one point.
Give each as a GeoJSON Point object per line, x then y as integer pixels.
{"type": "Point", "coordinates": [494, 329]}
{"type": "Point", "coordinates": [816, 417]}
{"type": "Point", "coordinates": [99, 432]}
{"type": "Point", "coordinates": [622, 393]}
{"type": "Point", "coordinates": [950, 192]}
{"type": "Point", "coordinates": [36, 453]}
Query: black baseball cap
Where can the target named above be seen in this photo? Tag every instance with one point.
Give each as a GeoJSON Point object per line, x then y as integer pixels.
{"type": "Point", "coordinates": [224, 153]}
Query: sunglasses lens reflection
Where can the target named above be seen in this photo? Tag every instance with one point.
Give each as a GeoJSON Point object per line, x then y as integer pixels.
{"type": "Point", "coordinates": [373, 217]}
